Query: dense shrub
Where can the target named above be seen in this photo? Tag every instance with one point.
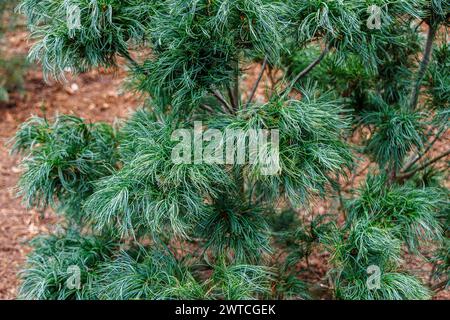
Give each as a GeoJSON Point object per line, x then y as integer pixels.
{"type": "Point", "coordinates": [150, 228]}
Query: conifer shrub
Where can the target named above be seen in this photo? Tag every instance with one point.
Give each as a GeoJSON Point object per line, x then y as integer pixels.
{"type": "Point", "coordinates": [139, 225]}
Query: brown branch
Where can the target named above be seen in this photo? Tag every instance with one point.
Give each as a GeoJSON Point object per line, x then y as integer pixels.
{"type": "Point", "coordinates": [423, 66]}
{"type": "Point", "coordinates": [428, 163]}
{"type": "Point", "coordinates": [233, 101]}
{"type": "Point", "coordinates": [428, 148]}
{"type": "Point", "coordinates": [255, 86]}
{"type": "Point", "coordinates": [308, 69]}
{"type": "Point", "coordinates": [419, 24]}
{"type": "Point", "coordinates": [236, 94]}
{"type": "Point", "coordinates": [222, 101]}
{"type": "Point", "coordinates": [207, 108]}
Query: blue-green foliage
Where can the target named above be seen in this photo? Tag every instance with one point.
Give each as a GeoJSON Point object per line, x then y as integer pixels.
{"type": "Point", "coordinates": [310, 143]}
{"type": "Point", "coordinates": [157, 229]}
{"type": "Point", "coordinates": [439, 78]}
{"type": "Point", "coordinates": [60, 262]}
{"type": "Point", "coordinates": [63, 159]}
{"type": "Point", "coordinates": [380, 220]}
{"type": "Point", "coordinates": [398, 131]}
{"type": "Point", "coordinates": [197, 45]}
{"type": "Point", "coordinates": [105, 29]}
{"type": "Point", "coordinates": [150, 191]}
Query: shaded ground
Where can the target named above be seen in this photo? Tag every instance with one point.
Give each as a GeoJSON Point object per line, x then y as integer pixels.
{"type": "Point", "coordinates": [94, 96]}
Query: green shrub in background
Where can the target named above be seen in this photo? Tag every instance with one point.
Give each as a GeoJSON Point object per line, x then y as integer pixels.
{"type": "Point", "coordinates": [12, 68]}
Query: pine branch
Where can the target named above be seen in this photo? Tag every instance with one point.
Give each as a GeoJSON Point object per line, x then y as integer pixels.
{"type": "Point", "coordinates": [307, 70]}
{"type": "Point", "coordinates": [419, 24]}
{"type": "Point", "coordinates": [236, 95]}
{"type": "Point", "coordinates": [424, 166]}
{"type": "Point", "coordinates": [255, 86]}
{"type": "Point", "coordinates": [428, 148]}
{"type": "Point", "coordinates": [423, 66]}
{"type": "Point", "coordinates": [232, 97]}
{"type": "Point", "coordinates": [207, 108]}
{"type": "Point", "coordinates": [227, 108]}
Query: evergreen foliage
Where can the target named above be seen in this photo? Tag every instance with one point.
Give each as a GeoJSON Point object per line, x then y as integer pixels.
{"type": "Point", "coordinates": [48, 267]}
{"type": "Point", "coordinates": [63, 159]}
{"type": "Point", "coordinates": [152, 228]}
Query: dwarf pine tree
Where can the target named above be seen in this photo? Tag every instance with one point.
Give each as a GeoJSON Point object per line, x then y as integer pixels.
{"type": "Point", "coordinates": [139, 225]}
